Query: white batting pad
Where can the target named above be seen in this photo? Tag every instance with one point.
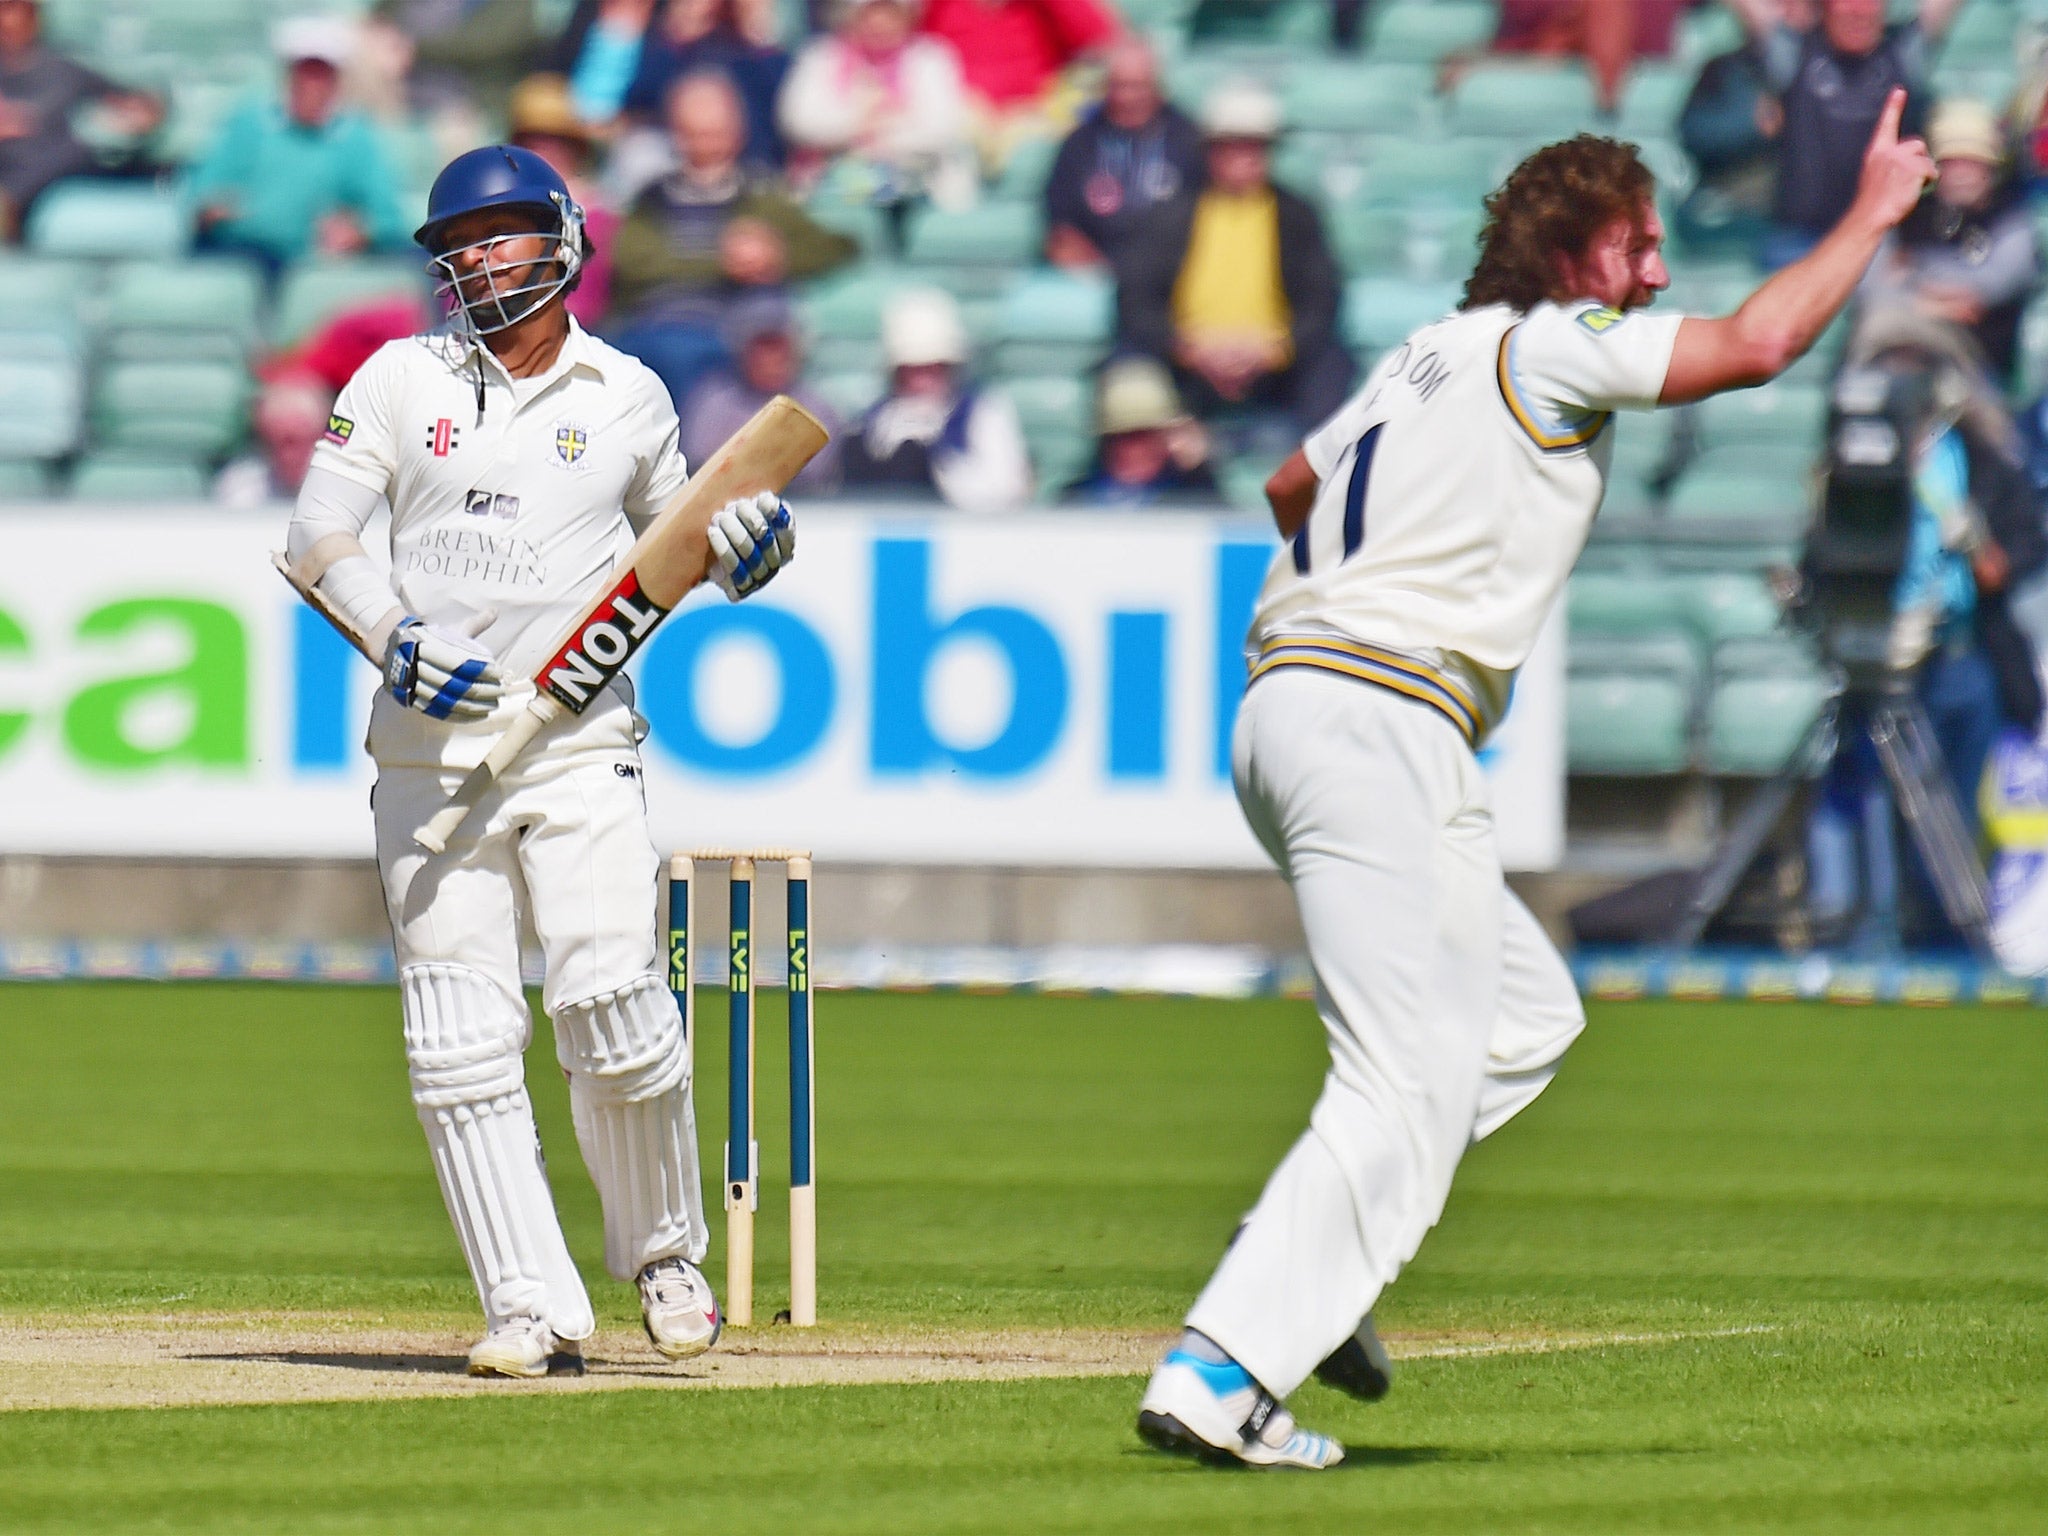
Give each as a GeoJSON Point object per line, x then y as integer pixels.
{"type": "Point", "coordinates": [463, 1039]}
{"type": "Point", "coordinates": [629, 1089]}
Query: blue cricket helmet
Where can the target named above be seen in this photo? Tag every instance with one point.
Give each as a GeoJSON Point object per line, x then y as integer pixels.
{"type": "Point", "coordinates": [502, 176]}
{"type": "Point", "coordinates": [496, 176]}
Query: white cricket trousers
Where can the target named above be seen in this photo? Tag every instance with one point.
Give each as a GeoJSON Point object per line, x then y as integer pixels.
{"type": "Point", "coordinates": [563, 836]}
{"type": "Point", "coordinates": [1445, 1007]}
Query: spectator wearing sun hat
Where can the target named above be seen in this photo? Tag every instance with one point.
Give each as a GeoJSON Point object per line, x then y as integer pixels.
{"type": "Point", "coordinates": [297, 174]}
{"type": "Point", "coordinates": [1148, 449]}
{"type": "Point", "coordinates": [544, 119]}
{"type": "Point", "coordinates": [1233, 284]}
{"type": "Point", "coordinates": [1968, 254]}
{"type": "Point", "coordinates": [936, 430]}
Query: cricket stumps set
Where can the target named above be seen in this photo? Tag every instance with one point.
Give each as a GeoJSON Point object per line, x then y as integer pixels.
{"type": "Point", "coordinates": [742, 1147]}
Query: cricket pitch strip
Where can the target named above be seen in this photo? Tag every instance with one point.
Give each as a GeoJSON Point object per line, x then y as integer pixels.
{"type": "Point", "coordinates": [170, 1360]}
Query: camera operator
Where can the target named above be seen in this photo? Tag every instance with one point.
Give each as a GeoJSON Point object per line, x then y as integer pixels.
{"type": "Point", "coordinates": [1975, 529]}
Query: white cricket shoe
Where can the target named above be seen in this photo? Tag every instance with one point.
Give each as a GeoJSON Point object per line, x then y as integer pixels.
{"type": "Point", "coordinates": [525, 1347]}
{"type": "Point", "coordinates": [1219, 1413]}
{"type": "Point", "coordinates": [676, 1304]}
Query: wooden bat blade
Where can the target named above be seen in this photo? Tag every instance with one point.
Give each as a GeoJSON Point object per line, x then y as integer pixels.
{"type": "Point", "coordinates": [764, 455]}
{"type": "Point", "coordinates": [674, 554]}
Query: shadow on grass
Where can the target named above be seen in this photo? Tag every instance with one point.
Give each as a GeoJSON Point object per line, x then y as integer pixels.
{"type": "Point", "coordinates": [420, 1365]}
{"type": "Point", "coordinates": [1355, 1458]}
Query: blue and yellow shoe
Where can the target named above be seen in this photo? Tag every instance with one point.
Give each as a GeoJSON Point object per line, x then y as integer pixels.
{"type": "Point", "coordinates": [1195, 1407]}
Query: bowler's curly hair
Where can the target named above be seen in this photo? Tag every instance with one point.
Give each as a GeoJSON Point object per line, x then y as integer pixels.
{"type": "Point", "coordinates": [1552, 205]}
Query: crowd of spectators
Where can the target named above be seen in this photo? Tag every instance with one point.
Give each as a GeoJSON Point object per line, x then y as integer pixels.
{"type": "Point", "coordinates": [702, 136]}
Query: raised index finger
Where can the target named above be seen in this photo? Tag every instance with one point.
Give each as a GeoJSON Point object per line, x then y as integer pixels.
{"type": "Point", "coordinates": [1888, 120]}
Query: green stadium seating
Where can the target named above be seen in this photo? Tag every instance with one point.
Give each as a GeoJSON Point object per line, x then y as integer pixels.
{"type": "Point", "coordinates": [849, 393]}
{"type": "Point", "coordinates": [1765, 696]}
{"type": "Point", "coordinates": [208, 307]}
{"type": "Point", "coordinates": [1027, 170]}
{"type": "Point", "coordinates": [1602, 603]}
{"type": "Point", "coordinates": [39, 405]}
{"type": "Point", "coordinates": [1652, 99]}
{"type": "Point", "coordinates": [1629, 705]}
{"type": "Point", "coordinates": [1259, 24]}
{"type": "Point", "coordinates": [193, 409]}
{"type": "Point", "coordinates": [24, 480]}
{"type": "Point", "coordinates": [863, 222]}
{"type": "Point", "coordinates": [1339, 96]}
{"type": "Point", "coordinates": [1726, 606]}
{"type": "Point", "coordinates": [1642, 444]}
{"type": "Point", "coordinates": [316, 291]}
{"type": "Point", "coordinates": [1982, 33]}
{"type": "Point", "coordinates": [1054, 322]}
{"type": "Point", "coordinates": [1051, 404]}
{"type": "Point", "coordinates": [1733, 520]}
{"type": "Point", "coordinates": [44, 312]}
{"type": "Point", "coordinates": [197, 110]}
{"type": "Point", "coordinates": [1788, 464]}
{"type": "Point", "coordinates": [1778, 413]}
{"type": "Point", "coordinates": [1457, 172]}
{"type": "Point", "coordinates": [842, 317]}
{"type": "Point", "coordinates": [1515, 100]}
{"type": "Point", "coordinates": [136, 477]}
{"type": "Point", "coordinates": [1379, 312]}
{"type": "Point", "coordinates": [128, 219]}
{"type": "Point", "coordinates": [995, 234]}
{"type": "Point", "coordinates": [1423, 31]}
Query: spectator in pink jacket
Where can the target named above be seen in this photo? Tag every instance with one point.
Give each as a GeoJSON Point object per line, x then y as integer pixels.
{"type": "Point", "coordinates": [890, 103]}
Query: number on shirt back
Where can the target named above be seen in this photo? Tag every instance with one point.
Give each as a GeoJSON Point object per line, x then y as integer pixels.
{"type": "Point", "coordinates": [1354, 504]}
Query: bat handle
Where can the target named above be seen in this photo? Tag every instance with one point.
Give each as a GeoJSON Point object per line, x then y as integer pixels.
{"type": "Point", "coordinates": [435, 834]}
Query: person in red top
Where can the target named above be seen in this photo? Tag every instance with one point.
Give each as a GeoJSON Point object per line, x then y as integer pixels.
{"type": "Point", "coordinates": [1013, 54]}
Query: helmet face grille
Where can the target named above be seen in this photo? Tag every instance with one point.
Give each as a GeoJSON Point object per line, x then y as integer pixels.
{"type": "Point", "coordinates": [484, 293]}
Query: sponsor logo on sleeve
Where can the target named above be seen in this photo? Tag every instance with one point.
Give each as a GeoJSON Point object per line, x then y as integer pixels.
{"type": "Point", "coordinates": [338, 430]}
{"type": "Point", "coordinates": [1600, 321]}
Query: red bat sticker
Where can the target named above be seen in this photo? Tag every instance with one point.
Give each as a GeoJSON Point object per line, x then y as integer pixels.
{"type": "Point", "coordinates": [605, 642]}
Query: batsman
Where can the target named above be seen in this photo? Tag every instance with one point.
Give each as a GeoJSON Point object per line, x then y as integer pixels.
{"type": "Point", "coordinates": [520, 457]}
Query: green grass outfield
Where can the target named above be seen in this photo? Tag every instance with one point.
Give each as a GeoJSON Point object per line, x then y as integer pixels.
{"type": "Point", "coordinates": [1866, 1188]}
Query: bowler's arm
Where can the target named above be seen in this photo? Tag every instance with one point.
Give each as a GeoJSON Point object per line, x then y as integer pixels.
{"type": "Point", "coordinates": [1784, 317]}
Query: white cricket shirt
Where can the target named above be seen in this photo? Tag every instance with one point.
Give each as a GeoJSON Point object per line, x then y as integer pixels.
{"type": "Point", "coordinates": [1457, 488]}
{"type": "Point", "coordinates": [520, 504]}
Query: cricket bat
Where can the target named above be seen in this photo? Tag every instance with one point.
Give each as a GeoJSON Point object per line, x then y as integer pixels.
{"type": "Point", "coordinates": [672, 557]}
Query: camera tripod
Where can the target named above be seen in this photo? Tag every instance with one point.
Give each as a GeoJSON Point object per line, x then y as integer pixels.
{"type": "Point", "coordinates": [1904, 740]}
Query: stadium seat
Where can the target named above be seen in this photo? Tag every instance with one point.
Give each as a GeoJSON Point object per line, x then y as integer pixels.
{"type": "Point", "coordinates": [1260, 24]}
{"type": "Point", "coordinates": [24, 480]}
{"type": "Point", "coordinates": [1457, 172]}
{"type": "Point", "coordinates": [1764, 699]}
{"type": "Point", "coordinates": [196, 409]}
{"type": "Point", "coordinates": [1339, 96]}
{"type": "Point", "coordinates": [1601, 603]}
{"type": "Point", "coordinates": [1054, 322]}
{"type": "Point", "coordinates": [1732, 520]}
{"type": "Point", "coordinates": [1052, 404]}
{"type": "Point", "coordinates": [995, 234]}
{"type": "Point", "coordinates": [1027, 170]}
{"type": "Point", "coordinates": [128, 219]}
{"type": "Point", "coordinates": [863, 223]}
{"type": "Point", "coordinates": [1725, 607]}
{"type": "Point", "coordinates": [1779, 413]}
{"type": "Point", "coordinates": [206, 308]}
{"type": "Point", "coordinates": [134, 477]}
{"type": "Point", "coordinates": [44, 312]}
{"type": "Point", "coordinates": [842, 317]}
{"type": "Point", "coordinates": [1379, 312]}
{"type": "Point", "coordinates": [316, 291]}
{"type": "Point", "coordinates": [40, 400]}
{"type": "Point", "coordinates": [197, 110]}
{"type": "Point", "coordinates": [849, 393]}
{"type": "Point", "coordinates": [1652, 100]}
{"type": "Point", "coordinates": [1789, 464]}
{"type": "Point", "coordinates": [1516, 100]}
{"type": "Point", "coordinates": [1423, 31]}
{"type": "Point", "coordinates": [1629, 705]}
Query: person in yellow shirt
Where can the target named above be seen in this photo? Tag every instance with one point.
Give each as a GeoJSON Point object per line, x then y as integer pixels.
{"type": "Point", "coordinates": [1233, 284]}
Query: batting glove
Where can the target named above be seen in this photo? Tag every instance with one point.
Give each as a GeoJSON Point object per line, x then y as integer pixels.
{"type": "Point", "coordinates": [444, 676]}
{"type": "Point", "coordinates": [751, 539]}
